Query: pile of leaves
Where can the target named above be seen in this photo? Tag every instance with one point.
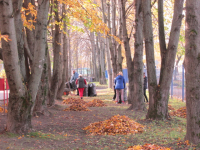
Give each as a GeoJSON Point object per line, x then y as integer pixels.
{"type": "Point", "coordinates": [181, 112]}
{"type": "Point", "coordinates": [147, 147]}
{"type": "Point", "coordinates": [96, 103]}
{"type": "Point", "coordinates": [77, 107]}
{"type": "Point", "coordinates": [72, 100]}
{"type": "Point", "coordinates": [170, 107]}
{"type": "Point", "coordinates": [2, 110]}
{"type": "Point", "coordinates": [115, 125]}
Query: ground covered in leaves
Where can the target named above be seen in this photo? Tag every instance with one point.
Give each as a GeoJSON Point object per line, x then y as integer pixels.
{"type": "Point", "coordinates": [96, 123]}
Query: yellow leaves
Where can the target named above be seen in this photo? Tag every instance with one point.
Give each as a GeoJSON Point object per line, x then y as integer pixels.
{"type": "Point", "coordinates": [115, 125]}
{"type": "Point", "coordinates": [147, 147]}
{"type": "Point", "coordinates": [30, 10]}
{"type": "Point", "coordinates": [20, 137]}
{"type": "Point", "coordinates": [3, 74]}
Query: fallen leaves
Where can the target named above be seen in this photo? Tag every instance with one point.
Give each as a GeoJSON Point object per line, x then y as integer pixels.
{"type": "Point", "coordinates": [115, 125]}
{"type": "Point", "coordinates": [2, 110]}
{"type": "Point", "coordinates": [170, 107]}
{"type": "Point", "coordinates": [72, 100]}
{"type": "Point", "coordinates": [81, 105]}
{"type": "Point", "coordinates": [181, 112]}
{"type": "Point", "coordinates": [147, 147]}
{"type": "Point", "coordinates": [77, 107]}
{"type": "Point", "coordinates": [96, 103]}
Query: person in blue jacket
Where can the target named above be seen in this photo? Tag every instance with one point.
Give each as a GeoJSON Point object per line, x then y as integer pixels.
{"type": "Point", "coordinates": [120, 84]}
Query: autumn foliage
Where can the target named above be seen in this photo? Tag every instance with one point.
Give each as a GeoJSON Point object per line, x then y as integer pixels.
{"type": "Point", "coordinates": [181, 112]}
{"type": "Point", "coordinates": [72, 100]}
{"type": "Point", "coordinates": [147, 147]}
{"type": "Point", "coordinates": [77, 107]}
{"type": "Point", "coordinates": [2, 110]}
{"type": "Point", "coordinates": [115, 125]}
{"type": "Point", "coordinates": [96, 103]}
{"type": "Point", "coordinates": [170, 107]}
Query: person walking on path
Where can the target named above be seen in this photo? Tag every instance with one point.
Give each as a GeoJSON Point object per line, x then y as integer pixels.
{"type": "Point", "coordinates": [114, 96]}
{"type": "Point", "coordinates": [120, 84]}
{"type": "Point", "coordinates": [145, 87]}
{"type": "Point", "coordinates": [81, 84]}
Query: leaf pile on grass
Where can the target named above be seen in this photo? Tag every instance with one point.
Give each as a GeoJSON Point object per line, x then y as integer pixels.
{"type": "Point", "coordinates": [170, 107]}
{"type": "Point", "coordinates": [115, 125]}
{"type": "Point", "coordinates": [181, 112]}
{"type": "Point", "coordinates": [77, 107]}
{"type": "Point", "coordinates": [72, 100]}
{"type": "Point", "coordinates": [96, 103]}
{"type": "Point", "coordinates": [147, 147]}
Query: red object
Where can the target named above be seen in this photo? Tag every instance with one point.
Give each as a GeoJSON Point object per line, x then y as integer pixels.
{"type": "Point", "coordinates": [65, 93]}
{"type": "Point", "coordinates": [80, 90]}
{"type": "Point", "coordinates": [4, 87]}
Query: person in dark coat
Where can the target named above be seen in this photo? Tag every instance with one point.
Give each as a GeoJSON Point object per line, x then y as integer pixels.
{"type": "Point", "coordinates": [81, 83]}
{"type": "Point", "coordinates": [114, 97]}
{"type": "Point", "coordinates": [145, 87]}
{"type": "Point", "coordinates": [120, 84]}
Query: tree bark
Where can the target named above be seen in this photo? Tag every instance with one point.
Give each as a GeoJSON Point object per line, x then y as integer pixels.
{"type": "Point", "coordinates": [162, 92]}
{"type": "Point", "coordinates": [129, 61]}
{"type": "Point", "coordinates": [149, 49]}
{"type": "Point", "coordinates": [138, 99]}
{"type": "Point", "coordinates": [57, 57]}
{"type": "Point", "coordinates": [192, 70]}
{"type": "Point", "coordinates": [21, 98]}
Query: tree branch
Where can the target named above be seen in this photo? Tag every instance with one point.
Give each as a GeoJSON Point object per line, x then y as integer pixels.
{"type": "Point", "coordinates": [27, 50]}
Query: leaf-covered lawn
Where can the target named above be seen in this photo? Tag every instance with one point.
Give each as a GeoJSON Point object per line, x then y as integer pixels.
{"type": "Point", "coordinates": [64, 129]}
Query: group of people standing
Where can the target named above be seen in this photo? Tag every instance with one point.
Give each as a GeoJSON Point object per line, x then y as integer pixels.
{"type": "Point", "coordinates": [119, 86]}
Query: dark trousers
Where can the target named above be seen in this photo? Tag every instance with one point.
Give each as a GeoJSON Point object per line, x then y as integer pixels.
{"type": "Point", "coordinates": [145, 96]}
{"type": "Point", "coordinates": [114, 94]}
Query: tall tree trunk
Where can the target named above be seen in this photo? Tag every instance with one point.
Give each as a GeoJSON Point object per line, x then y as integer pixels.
{"type": "Point", "coordinates": [43, 90]}
{"type": "Point", "coordinates": [192, 70]}
{"type": "Point", "coordinates": [129, 61]}
{"type": "Point", "coordinates": [167, 66]}
{"type": "Point", "coordinates": [21, 100]}
{"type": "Point", "coordinates": [17, 4]}
{"type": "Point", "coordinates": [57, 57]}
{"type": "Point", "coordinates": [64, 66]}
{"type": "Point", "coordinates": [149, 49]}
{"type": "Point", "coordinates": [138, 99]}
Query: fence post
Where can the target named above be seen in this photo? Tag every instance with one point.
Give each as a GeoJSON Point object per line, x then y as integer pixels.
{"type": "Point", "coordinates": [183, 78]}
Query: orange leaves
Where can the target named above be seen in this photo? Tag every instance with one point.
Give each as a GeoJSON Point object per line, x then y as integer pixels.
{"type": "Point", "coordinates": [5, 37]}
{"type": "Point", "coordinates": [96, 103]}
{"type": "Point", "coordinates": [77, 107]}
{"type": "Point", "coordinates": [2, 110]}
{"type": "Point", "coordinates": [147, 147]}
{"type": "Point", "coordinates": [72, 100]}
{"type": "Point", "coordinates": [170, 107]}
{"type": "Point", "coordinates": [181, 112]}
{"type": "Point", "coordinates": [115, 125]}
{"type": "Point", "coordinates": [30, 10]}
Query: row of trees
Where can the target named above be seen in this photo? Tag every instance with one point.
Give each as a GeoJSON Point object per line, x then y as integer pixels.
{"type": "Point", "coordinates": [115, 31]}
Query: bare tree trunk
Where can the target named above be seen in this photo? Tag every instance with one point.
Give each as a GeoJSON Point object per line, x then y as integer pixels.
{"type": "Point", "coordinates": [138, 99]}
{"type": "Point", "coordinates": [43, 90]}
{"type": "Point", "coordinates": [64, 66]}
{"type": "Point", "coordinates": [192, 70]}
{"type": "Point", "coordinates": [21, 100]}
{"type": "Point", "coordinates": [160, 110]}
{"type": "Point", "coordinates": [149, 49]}
{"type": "Point", "coordinates": [57, 57]}
{"type": "Point", "coordinates": [17, 4]}
{"type": "Point", "coordinates": [129, 61]}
